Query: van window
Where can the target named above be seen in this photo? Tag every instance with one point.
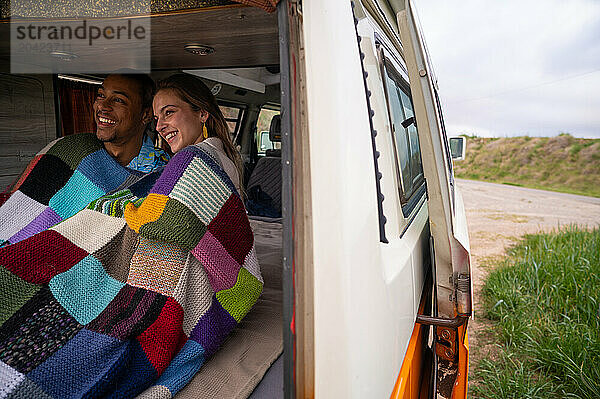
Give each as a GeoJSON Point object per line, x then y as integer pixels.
{"type": "Point", "coordinates": [406, 139]}
{"type": "Point", "coordinates": [263, 124]}
{"type": "Point", "coordinates": [233, 116]}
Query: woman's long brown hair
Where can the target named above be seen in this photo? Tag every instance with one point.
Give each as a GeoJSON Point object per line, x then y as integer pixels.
{"type": "Point", "coordinates": [194, 92]}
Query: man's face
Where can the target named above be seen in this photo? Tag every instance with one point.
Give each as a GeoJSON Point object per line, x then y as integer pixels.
{"type": "Point", "coordinates": [118, 110]}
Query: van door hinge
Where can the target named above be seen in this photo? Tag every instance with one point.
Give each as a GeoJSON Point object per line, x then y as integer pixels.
{"type": "Point", "coordinates": [461, 295]}
{"type": "Point", "coordinates": [297, 6]}
{"type": "Point", "coordinates": [446, 343]}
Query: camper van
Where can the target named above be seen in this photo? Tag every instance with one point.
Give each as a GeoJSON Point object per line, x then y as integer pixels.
{"type": "Point", "coordinates": [359, 228]}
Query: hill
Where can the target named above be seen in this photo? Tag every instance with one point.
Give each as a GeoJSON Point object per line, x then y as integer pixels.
{"type": "Point", "coordinates": [562, 163]}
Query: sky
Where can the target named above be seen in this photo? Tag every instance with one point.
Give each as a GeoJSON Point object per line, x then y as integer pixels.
{"type": "Point", "coordinates": [516, 67]}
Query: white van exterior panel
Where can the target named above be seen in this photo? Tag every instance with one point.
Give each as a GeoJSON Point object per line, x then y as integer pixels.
{"type": "Point", "coordinates": [364, 295]}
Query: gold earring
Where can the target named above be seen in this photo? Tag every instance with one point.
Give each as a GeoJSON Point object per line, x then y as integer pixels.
{"type": "Point", "coordinates": [204, 131]}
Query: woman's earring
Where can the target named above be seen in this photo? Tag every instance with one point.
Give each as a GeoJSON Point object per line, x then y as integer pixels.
{"type": "Point", "coordinates": [204, 131]}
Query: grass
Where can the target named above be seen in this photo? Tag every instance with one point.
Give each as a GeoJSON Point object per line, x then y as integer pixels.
{"type": "Point", "coordinates": [562, 163]}
{"type": "Point", "coordinates": [544, 301]}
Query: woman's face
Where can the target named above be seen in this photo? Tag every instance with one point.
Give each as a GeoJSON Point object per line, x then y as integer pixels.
{"type": "Point", "coordinates": [176, 121]}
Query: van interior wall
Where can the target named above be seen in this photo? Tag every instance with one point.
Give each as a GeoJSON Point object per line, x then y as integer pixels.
{"type": "Point", "coordinates": [27, 110]}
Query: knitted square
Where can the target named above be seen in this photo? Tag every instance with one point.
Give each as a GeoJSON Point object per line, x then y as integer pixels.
{"type": "Point", "coordinates": [209, 190]}
{"type": "Point", "coordinates": [9, 379]}
{"type": "Point", "coordinates": [74, 196]}
{"type": "Point", "coordinates": [157, 266]}
{"type": "Point", "coordinates": [156, 392]}
{"type": "Point", "coordinates": [15, 292]}
{"type": "Point", "coordinates": [193, 293]}
{"type": "Point", "coordinates": [43, 221]}
{"type": "Point", "coordinates": [77, 230]}
{"type": "Point", "coordinates": [183, 367]}
{"type": "Point", "coordinates": [128, 315]}
{"type": "Point", "coordinates": [212, 328]}
{"type": "Point", "coordinates": [116, 255]}
{"type": "Point", "coordinates": [177, 224]}
{"type": "Point", "coordinates": [214, 166]}
{"type": "Point", "coordinates": [236, 300]}
{"type": "Point", "coordinates": [19, 204]}
{"type": "Point", "coordinates": [48, 176]}
{"type": "Point", "coordinates": [143, 186]}
{"type": "Point", "coordinates": [85, 290]}
{"type": "Point", "coordinates": [169, 177]}
{"type": "Point", "coordinates": [102, 169]}
{"type": "Point", "coordinates": [221, 268]}
{"type": "Point", "coordinates": [40, 328]}
{"type": "Point", "coordinates": [149, 211]}
{"type": "Point", "coordinates": [72, 149]}
{"type": "Point", "coordinates": [251, 264]}
{"type": "Point", "coordinates": [232, 229]}
{"type": "Point", "coordinates": [27, 389]}
{"type": "Point", "coordinates": [28, 170]}
{"type": "Point", "coordinates": [95, 365]}
{"type": "Point", "coordinates": [113, 204]}
{"type": "Point", "coordinates": [164, 338]}
{"type": "Point", "coordinates": [41, 257]}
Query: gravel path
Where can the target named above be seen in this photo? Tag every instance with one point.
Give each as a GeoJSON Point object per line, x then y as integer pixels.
{"type": "Point", "coordinates": [498, 215]}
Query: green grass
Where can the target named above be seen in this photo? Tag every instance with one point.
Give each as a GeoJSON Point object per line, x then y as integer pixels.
{"type": "Point", "coordinates": [562, 163]}
{"type": "Point", "coordinates": [544, 300]}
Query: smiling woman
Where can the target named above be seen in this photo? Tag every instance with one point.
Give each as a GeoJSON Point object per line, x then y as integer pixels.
{"type": "Point", "coordinates": [176, 121]}
{"type": "Point", "coordinates": [187, 113]}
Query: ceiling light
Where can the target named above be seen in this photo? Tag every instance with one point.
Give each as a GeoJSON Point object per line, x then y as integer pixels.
{"type": "Point", "coordinates": [63, 55]}
{"type": "Point", "coordinates": [198, 49]}
{"type": "Point", "coordinates": [80, 79]}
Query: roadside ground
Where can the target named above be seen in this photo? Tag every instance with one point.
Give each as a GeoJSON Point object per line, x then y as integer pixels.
{"type": "Point", "coordinates": [498, 216]}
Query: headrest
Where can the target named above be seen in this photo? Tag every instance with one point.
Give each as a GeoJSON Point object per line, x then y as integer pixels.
{"type": "Point", "coordinates": [273, 153]}
{"type": "Point", "coordinates": [275, 129]}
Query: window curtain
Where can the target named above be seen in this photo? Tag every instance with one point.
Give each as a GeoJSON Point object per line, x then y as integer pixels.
{"type": "Point", "coordinates": [76, 107]}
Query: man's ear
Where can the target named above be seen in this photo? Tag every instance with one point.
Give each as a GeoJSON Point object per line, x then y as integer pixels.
{"type": "Point", "coordinates": [147, 115]}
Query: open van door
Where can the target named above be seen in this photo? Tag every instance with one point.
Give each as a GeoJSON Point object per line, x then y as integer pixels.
{"type": "Point", "coordinates": [449, 238]}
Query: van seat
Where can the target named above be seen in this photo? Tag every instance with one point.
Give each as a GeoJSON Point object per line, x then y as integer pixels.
{"type": "Point", "coordinates": [264, 186]}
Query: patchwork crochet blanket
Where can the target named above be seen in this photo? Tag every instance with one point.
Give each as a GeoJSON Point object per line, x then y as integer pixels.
{"type": "Point", "coordinates": [130, 295]}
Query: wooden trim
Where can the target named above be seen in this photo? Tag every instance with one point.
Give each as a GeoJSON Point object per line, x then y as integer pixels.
{"type": "Point", "coordinates": [303, 321]}
{"type": "Point", "coordinates": [151, 14]}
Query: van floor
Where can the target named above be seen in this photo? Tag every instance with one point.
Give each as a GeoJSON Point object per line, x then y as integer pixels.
{"type": "Point", "coordinates": [250, 350]}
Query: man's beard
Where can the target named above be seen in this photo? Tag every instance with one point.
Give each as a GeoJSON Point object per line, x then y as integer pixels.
{"type": "Point", "coordinates": [106, 138]}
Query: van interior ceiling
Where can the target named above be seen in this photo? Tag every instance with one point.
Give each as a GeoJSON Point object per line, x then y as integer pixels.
{"type": "Point", "coordinates": [243, 71]}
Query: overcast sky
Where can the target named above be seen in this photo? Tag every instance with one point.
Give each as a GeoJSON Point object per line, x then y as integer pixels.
{"type": "Point", "coordinates": [516, 67]}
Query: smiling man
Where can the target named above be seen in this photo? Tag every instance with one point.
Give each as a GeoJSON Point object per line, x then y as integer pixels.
{"type": "Point", "coordinates": [122, 109]}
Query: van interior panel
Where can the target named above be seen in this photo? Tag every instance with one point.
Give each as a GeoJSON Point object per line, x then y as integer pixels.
{"type": "Point", "coordinates": [28, 121]}
{"type": "Point", "coordinates": [240, 36]}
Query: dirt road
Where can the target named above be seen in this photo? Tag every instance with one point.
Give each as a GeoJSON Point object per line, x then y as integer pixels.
{"type": "Point", "coordinates": [498, 215]}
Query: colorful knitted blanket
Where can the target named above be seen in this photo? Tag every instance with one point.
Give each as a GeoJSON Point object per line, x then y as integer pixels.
{"type": "Point", "coordinates": [130, 295]}
{"type": "Point", "coordinates": [59, 182]}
